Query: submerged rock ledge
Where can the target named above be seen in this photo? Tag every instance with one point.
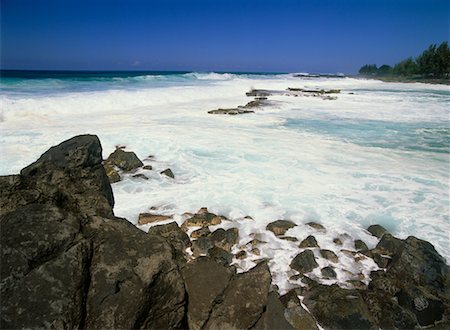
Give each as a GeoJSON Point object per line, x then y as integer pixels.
{"type": "Point", "coordinates": [68, 262]}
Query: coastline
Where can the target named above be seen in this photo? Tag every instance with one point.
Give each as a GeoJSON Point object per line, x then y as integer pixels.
{"type": "Point", "coordinates": [402, 79]}
{"type": "Point", "coordinates": [95, 261]}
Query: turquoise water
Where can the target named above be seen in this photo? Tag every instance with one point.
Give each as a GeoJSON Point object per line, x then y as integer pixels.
{"type": "Point", "coordinates": [432, 137]}
{"type": "Point", "coordinates": [55, 82]}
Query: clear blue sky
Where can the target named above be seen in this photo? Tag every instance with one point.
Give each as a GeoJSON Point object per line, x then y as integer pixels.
{"type": "Point", "coordinates": [221, 35]}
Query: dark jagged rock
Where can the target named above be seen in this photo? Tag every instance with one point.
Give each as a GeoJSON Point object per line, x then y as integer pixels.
{"type": "Point", "coordinates": [125, 160]}
{"type": "Point", "coordinates": [203, 218]}
{"type": "Point", "coordinates": [168, 172]}
{"type": "Point", "coordinates": [233, 312]}
{"type": "Point", "coordinates": [69, 174]}
{"type": "Point", "coordinates": [357, 284]}
{"type": "Point", "coordinates": [328, 272]}
{"type": "Point", "coordinates": [329, 255]}
{"type": "Point", "coordinates": [337, 241]}
{"type": "Point", "coordinates": [422, 278]}
{"type": "Point", "coordinates": [309, 242]}
{"type": "Point", "coordinates": [111, 172]}
{"type": "Point", "coordinates": [174, 235]}
{"type": "Point", "coordinates": [217, 244]}
{"type": "Point", "coordinates": [231, 111]}
{"type": "Point", "coordinates": [145, 218]}
{"type": "Point", "coordinates": [140, 176]}
{"type": "Point", "coordinates": [338, 308]}
{"type": "Point", "coordinates": [360, 245]}
{"type": "Point", "coordinates": [273, 318]}
{"type": "Point", "coordinates": [316, 226]}
{"type": "Point", "coordinates": [380, 260]}
{"type": "Point", "coordinates": [289, 238]}
{"type": "Point", "coordinates": [241, 255]}
{"type": "Point", "coordinates": [220, 255]}
{"type": "Point", "coordinates": [315, 91]}
{"type": "Point", "coordinates": [201, 246]}
{"type": "Point", "coordinates": [280, 227]}
{"type": "Point", "coordinates": [225, 239]}
{"type": "Point", "coordinates": [258, 102]}
{"type": "Point", "coordinates": [295, 314]}
{"type": "Point", "coordinates": [259, 93]}
{"type": "Point", "coordinates": [304, 262]}
{"type": "Point", "coordinates": [202, 232]}
{"type": "Point", "coordinates": [139, 269]}
{"type": "Point", "coordinates": [377, 230]}
{"type": "Point", "coordinates": [67, 262]}
{"type": "Point", "coordinates": [147, 167]}
{"type": "Point", "coordinates": [389, 245]}
{"type": "Point", "coordinates": [386, 311]}
{"type": "Point", "coordinates": [206, 281]}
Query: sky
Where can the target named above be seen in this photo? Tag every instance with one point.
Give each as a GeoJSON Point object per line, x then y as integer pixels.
{"type": "Point", "coordinates": [217, 35]}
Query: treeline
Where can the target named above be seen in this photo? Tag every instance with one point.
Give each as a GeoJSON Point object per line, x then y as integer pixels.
{"type": "Point", "coordinates": [434, 62]}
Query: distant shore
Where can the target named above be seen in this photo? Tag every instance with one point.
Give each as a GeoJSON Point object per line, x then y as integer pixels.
{"type": "Point", "coordinates": [435, 81]}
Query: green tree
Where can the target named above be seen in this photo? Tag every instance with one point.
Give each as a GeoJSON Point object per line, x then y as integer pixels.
{"type": "Point", "coordinates": [406, 67]}
{"type": "Point", "coordinates": [368, 69]}
{"type": "Point", "coordinates": [442, 60]}
{"type": "Point", "coordinates": [435, 61]}
{"type": "Point", "coordinates": [426, 62]}
{"type": "Point", "coordinates": [384, 70]}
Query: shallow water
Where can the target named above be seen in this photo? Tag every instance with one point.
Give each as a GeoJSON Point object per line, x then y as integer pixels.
{"type": "Point", "coordinates": [380, 155]}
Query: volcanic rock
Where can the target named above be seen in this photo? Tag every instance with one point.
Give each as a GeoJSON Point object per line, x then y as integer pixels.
{"type": "Point", "coordinates": [295, 314]}
{"type": "Point", "coordinates": [360, 245]}
{"type": "Point", "coordinates": [234, 312]}
{"type": "Point", "coordinates": [304, 262]}
{"type": "Point", "coordinates": [202, 232]}
{"type": "Point", "coordinates": [205, 281]}
{"type": "Point", "coordinates": [309, 242]}
{"type": "Point", "coordinates": [328, 272]}
{"type": "Point", "coordinates": [377, 230]}
{"type": "Point", "coordinates": [125, 160]}
{"type": "Point", "coordinates": [316, 226]}
{"type": "Point", "coordinates": [145, 218]}
{"type": "Point", "coordinates": [67, 262]}
{"type": "Point", "coordinates": [168, 172]}
{"type": "Point", "coordinates": [280, 227]}
{"type": "Point", "coordinates": [329, 255]}
{"type": "Point", "coordinates": [203, 218]}
{"type": "Point", "coordinates": [274, 315]}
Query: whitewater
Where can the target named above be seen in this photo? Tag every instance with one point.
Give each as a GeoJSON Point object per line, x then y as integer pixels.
{"type": "Point", "coordinates": [378, 154]}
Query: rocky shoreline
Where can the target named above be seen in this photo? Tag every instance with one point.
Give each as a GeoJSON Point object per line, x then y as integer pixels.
{"type": "Point", "coordinates": [261, 99]}
{"type": "Point", "coordinates": [68, 262]}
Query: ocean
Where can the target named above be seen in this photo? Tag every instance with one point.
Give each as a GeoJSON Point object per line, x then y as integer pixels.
{"type": "Point", "coordinates": [378, 154]}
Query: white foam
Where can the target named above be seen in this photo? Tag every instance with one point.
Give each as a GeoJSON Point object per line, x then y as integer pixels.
{"type": "Point", "coordinates": [253, 164]}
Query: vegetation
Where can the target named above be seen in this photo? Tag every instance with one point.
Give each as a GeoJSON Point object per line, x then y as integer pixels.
{"type": "Point", "coordinates": [433, 63]}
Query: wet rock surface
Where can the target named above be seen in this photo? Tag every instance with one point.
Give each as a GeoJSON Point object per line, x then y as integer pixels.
{"type": "Point", "coordinates": [68, 262]}
{"type": "Point", "coordinates": [261, 99]}
{"type": "Point", "coordinates": [377, 230]}
{"type": "Point", "coordinates": [203, 218]}
{"type": "Point", "coordinates": [309, 242]}
{"type": "Point", "coordinates": [168, 172]}
{"type": "Point", "coordinates": [125, 160]}
{"type": "Point", "coordinates": [304, 262]}
{"type": "Point", "coordinates": [280, 227]}
{"type": "Point", "coordinates": [145, 218]}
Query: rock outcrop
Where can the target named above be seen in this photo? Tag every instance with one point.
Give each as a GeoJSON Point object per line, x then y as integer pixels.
{"type": "Point", "coordinates": [280, 227]}
{"type": "Point", "coordinates": [68, 262]}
